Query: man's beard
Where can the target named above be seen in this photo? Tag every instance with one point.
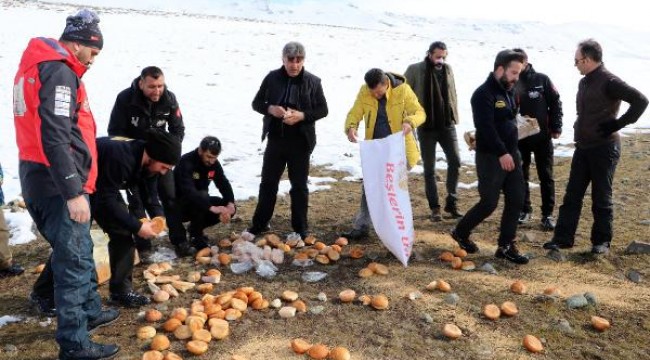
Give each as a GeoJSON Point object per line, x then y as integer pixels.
{"type": "Point", "coordinates": [505, 83]}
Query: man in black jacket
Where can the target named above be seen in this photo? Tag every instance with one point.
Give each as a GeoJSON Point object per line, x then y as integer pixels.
{"type": "Point", "coordinates": [193, 175]}
{"type": "Point", "coordinates": [291, 100]}
{"type": "Point", "coordinates": [148, 104]}
{"type": "Point", "coordinates": [538, 98]}
{"type": "Point", "coordinates": [123, 163]}
{"type": "Point", "coordinates": [597, 148]}
{"type": "Point", "coordinates": [498, 163]}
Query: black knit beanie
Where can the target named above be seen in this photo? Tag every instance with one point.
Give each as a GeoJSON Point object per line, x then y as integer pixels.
{"type": "Point", "coordinates": [162, 146]}
{"type": "Point", "coordinates": [83, 28]}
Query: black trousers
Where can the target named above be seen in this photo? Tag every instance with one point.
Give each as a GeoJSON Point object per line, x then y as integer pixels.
{"type": "Point", "coordinates": [155, 190]}
{"type": "Point", "coordinates": [492, 180]}
{"type": "Point", "coordinates": [596, 166]}
{"type": "Point", "coordinates": [291, 153]}
{"type": "Point", "coordinates": [121, 249]}
{"type": "Point", "coordinates": [542, 149]}
{"type": "Point", "coordinates": [199, 218]}
{"type": "Point", "coordinates": [449, 143]}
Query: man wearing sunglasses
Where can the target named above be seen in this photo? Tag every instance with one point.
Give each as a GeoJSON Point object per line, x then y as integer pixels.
{"type": "Point", "coordinates": [597, 148]}
{"type": "Point", "coordinates": [291, 100]}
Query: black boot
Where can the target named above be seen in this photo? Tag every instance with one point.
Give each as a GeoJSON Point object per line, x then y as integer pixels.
{"type": "Point", "coordinates": [548, 224]}
{"type": "Point", "coordinates": [356, 234]}
{"type": "Point", "coordinates": [465, 244]}
{"type": "Point", "coordinates": [93, 352]}
{"type": "Point", "coordinates": [12, 270]}
{"type": "Point", "coordinates": [184, 249]}
{"type": "Point", "coordinates": [44, 305]}
{"type": "Point", "coordinates": [106, 317]}
{"type": "Point", "coordinates": [452, 208]}
{"type": "Point", "coordinates": [511, 253]}
{"type": "Point", "coordinates": [435, 214]}
{"type": "Point", "coordinates": [130, 300]}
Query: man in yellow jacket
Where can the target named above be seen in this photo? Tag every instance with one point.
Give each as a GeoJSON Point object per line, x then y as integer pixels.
{"type": "Point", "coordinates": [386, 104]}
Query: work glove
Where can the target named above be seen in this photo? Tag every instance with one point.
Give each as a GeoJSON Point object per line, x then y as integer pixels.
{"type": "Point", "coordinates": [609, 127]}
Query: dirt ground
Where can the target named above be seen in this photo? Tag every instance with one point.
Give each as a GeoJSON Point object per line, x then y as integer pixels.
{"type": "Point", "coordinates": [408, 329]}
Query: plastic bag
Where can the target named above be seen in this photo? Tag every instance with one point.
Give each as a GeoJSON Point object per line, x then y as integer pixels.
{"type": "Point", "coordinates": [313, 276]}
{"type": "Point", "coordinates": [266, 269]}
{"type": "Point", "coordinates": [241, 267]}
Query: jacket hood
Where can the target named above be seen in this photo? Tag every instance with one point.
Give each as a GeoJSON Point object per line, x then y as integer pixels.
{"type": "Point", "coordinates": [395, 79]}
{"type": "Point", "coordinates": [528, 72]}
{"type": "Point", "coordinates": [45, 49]}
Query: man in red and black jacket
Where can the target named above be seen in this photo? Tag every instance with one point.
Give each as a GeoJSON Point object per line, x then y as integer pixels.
{"type": "Point", "coordinates": [193, 175]}
{"type": "Point", "coordinates": [55, 134]}
{"type": "Point", "coordinates": [537, 97]}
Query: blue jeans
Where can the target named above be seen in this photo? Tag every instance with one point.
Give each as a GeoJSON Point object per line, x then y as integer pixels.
{"type": "Point", "coordinates": [596, 166]}
{"type": "Point", "coordinates": [72, 267]}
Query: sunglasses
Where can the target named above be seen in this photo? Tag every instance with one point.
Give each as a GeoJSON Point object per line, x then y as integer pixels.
{"type": "Point", "coordinates": [578, 61]}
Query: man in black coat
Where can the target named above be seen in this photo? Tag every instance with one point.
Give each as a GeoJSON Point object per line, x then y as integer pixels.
{"type": "Point", "coordinates": [537, 97]}
{"type": "Point", "coordinates": [597, 148]}
{"type": "Point", "coordinates": [123, 163]}
{"type": "Point", "coordinates": [433, 82]}
{"type": "Point", "coordinates": [148, 104]}
{"type": "Point", "coordinates": [291, 100]}
{"type": "Point", "coordinates": [193, 175]}
{"type": "Point", "coordinates": [498, 163]}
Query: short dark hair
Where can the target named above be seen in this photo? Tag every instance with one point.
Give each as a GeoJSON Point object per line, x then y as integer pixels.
{"type": "Point", "coordinates": [436, 45]}
{"type": "Point", "coordinates": [375, 77]}
{"type": "Point", "coordinates": [505, 57]}
{"type": "Point", "coordinates": [521, 51]}
{"type": "Point", "coordinates": [211, 144]}
{"type": "Point", "coordinates": [591, 48]}
{"type": "Point", "coordinates": [151, 71]}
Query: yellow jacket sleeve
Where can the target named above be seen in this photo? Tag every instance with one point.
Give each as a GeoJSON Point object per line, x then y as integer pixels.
{"type": "Point", "coordinates": [415, 114]}
{"type": "Point", "coordinates": [355, 115]}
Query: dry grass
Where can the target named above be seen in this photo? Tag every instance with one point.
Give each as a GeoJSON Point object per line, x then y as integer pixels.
{"type": "Point", "coordinates": [400, 332]}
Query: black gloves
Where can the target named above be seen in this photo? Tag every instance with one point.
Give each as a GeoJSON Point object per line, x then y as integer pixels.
{"type": "Point", "coordinates": [609, 127]}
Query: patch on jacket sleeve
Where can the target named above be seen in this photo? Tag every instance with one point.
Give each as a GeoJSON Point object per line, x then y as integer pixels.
{"type": "Point", "coordinates": [20, 108]}
{"type": "Point", "coordinates": [62, 100]}
{"type": "Point", "coordinates": [500, 104]}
